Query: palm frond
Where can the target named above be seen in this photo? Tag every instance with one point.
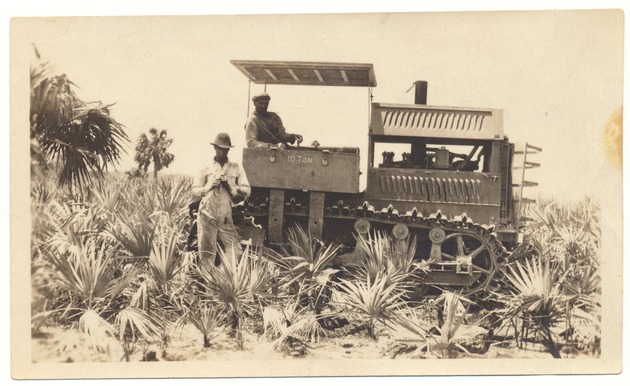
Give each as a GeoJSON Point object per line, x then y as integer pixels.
{"type": "Point", "coordinates": [292, 321]}
{"type": "Point", "coordinates": [237, 281]}
{"type": "Point", "coordinates": [384, 257]}
{"type": "Point", "coordinates": [134, 232]}
{"type": "Point", "coordinates": [455, 312]}
{"type": "Point", "coordinates": [371, 300]}
{"type": "Point", "coordinates": [95, 329]}
{"type": "Point", "coordinates": [140, 298]}
{"type": "Point", "coordinates": [133, 321]}
{"type": "Point", "coordinates": [206, 317]}
{"type": "Point", "coordinates": [413, 321]}
{"type": "Point", "coordinates": [129, 273]}
{"type": "Point", "coordinates": [108, 196]}
{"type": "Point", "coordinates": [163, 259]}
{"type": "Point", "coordinates": [173, 197]}
{"type": "Point", "coordinates": [89, 274]}
{"type": "Point", "coordinates": [536, 298]}
{"type": "Point", "coordinates": [310, 263]}
{"type": "Point", "coordinates": [80, 136]}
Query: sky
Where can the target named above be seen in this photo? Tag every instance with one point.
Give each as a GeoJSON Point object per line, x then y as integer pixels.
{"type": "Point", "coordinates": [557, 75]}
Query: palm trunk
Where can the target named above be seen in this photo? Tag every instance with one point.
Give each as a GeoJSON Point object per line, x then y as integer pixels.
{"type": "Point", "coordinates": [157, 165]}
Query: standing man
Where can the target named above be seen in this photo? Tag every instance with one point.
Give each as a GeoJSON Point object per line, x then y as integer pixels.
{"type": "Point", "coordinates": [219, 185]}
{"type": "Point", "coordinates": [264, 128]}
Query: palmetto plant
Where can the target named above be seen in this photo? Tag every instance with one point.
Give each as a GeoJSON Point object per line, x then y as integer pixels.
{"type": "Point", "coordinates": [107, 197]}
{"type": "Point", "coordinates": [167, 196]}
{"type": "Point", "coordinates": [454, 316]}
{"type": "Point", "coordinates": [44, 222]}
{"type": "Point", "coordinates": [550, 213]}
{"type": "Point", "coordinates": [311, 257]}
{"type": "Point", "coordinates": [140, 196]}
{"type": "Point", "coordinates": [206, 317]}
{"type": "Point", "coordinates": [134, 232]}
{"type": "Point", "coordinates": [95, 329]}
{"type": "Point", "coordinates": [91, 276]}
{"type": "Point", "coordinates": [71, 224]}
{"type": "Point", "coordinates": [308, 267]}
{"type": "Point", "coordinates": [164, 262]}
{"type": "Point", "coordinates": [43, 191]}
{"type": "Point", "coordinates": [445, 343]}
{"type": "Point", "coordinates": [292, 324]}
{"type": "Point", "coordinates": [237, 283]}
{"type": "Point", "coordinates": [384, 257]}
{"type": "Point", "coordinates": [371, 301]}
{"type": "Point", "coordinates": [414, 321]}
{"type": "Point", "coordinates": [88, 272]}
{"type": "Point", "coordinates": [571, 233]}
{"type": "Point", "coordinates": [301, 325]}
{"type": "Point", "coordinates": [567, 239]}
{"type": "Point", "coordinates": [132, 323]}
{"type": "Point", "coordinates": [140, 297]}
{"type": "Point", "coordinates": [172, 198]}
{"type": "Point", "coordinates": [536, 300]}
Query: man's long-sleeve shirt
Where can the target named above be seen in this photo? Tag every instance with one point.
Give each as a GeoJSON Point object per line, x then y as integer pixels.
{"type": "Point", "coordinates": [237, 183]}
{"type": "Point", "coordinates": [265, 130]}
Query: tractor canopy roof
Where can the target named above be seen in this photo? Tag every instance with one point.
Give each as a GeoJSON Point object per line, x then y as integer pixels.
{"type": "Point", "coordinates": [307, 73]}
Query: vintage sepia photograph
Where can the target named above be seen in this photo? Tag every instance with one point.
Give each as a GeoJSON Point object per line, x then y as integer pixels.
{"type": "Point", "coordinates": [316, 194]}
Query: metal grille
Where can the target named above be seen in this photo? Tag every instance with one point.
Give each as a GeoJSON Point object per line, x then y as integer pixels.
{"type": "Point", "coordinates": [434, 189]}
{"type": "Point", "coordinates": [464, 121]}
{"type": "Point", "coordinates": [436, 122]}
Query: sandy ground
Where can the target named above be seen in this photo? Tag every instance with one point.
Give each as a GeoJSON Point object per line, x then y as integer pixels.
{"type": "Point", "coordinates": [53, 344]}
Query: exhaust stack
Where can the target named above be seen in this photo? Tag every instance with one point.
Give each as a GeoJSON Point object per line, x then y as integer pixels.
{"type": "Point", "coordinates": [419, 147]}
{"type": "Point", "coordinates": [421, 92]}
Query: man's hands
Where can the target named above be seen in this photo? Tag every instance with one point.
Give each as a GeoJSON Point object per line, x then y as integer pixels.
{"type": "Point", "coordinates": [293, 139]}
{"type": "Point", "coordinates": [211, 186]}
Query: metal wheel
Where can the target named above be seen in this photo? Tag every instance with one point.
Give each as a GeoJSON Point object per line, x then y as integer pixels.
{"type": "Point", "coordinates": [476, 257]}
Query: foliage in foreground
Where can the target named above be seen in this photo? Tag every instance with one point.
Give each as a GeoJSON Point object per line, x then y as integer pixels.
{"type": "Point", "coordinates": [110, 265]}
{"type": "Point", "coordinates": [555, 294]}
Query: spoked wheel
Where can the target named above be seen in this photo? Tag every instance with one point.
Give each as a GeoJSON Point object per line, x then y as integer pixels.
{"type": "Point", "coordinates": [475, 256]}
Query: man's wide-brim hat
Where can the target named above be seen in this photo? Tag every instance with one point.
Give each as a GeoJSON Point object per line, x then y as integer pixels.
{"type": "Point", "coordinates": [261, 97]}
{"type": "Point", "coordinates": [222, 141]}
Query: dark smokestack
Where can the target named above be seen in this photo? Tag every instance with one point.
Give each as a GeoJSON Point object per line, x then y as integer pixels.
{"type": "Point", "coordinates": [421, 92]}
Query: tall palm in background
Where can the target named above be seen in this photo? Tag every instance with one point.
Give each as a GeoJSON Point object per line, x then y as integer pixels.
{"type": "Point", "coordinates": [80, 137]}
{"type": "Point", "coordinates": [154, 150]}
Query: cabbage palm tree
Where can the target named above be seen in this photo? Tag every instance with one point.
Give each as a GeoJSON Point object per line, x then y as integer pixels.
{"type": "Point", "coordinates": [154, 150]}
{"type": "Point", "coordinates": [78, 136]}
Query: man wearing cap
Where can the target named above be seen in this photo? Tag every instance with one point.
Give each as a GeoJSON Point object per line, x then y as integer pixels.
{"type": "Point", "coordinates": [219, 185]}
{"type": "Point", "coordinates": [264, 128]}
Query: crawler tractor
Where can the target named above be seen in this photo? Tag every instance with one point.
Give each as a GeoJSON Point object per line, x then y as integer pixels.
{"type": "Point", "coordinates": [450, 187]}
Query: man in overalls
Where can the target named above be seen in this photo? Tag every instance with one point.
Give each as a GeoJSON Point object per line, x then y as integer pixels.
{"type": "Point", "coordinates": [219, 185]}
